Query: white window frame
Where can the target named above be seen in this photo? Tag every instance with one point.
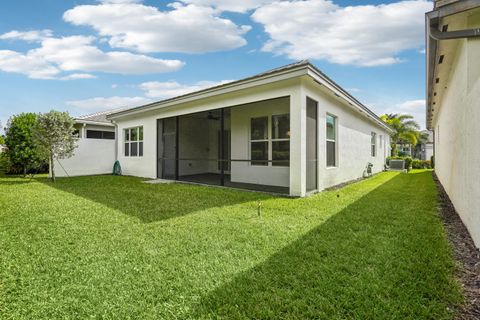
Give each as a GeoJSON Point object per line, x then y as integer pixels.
{"type": "Point", "coordinates": [129, 142]}
{"type": "Point", "coordinates": [269, 141]}
{"type": "Point", "coordinates": [331, 140]}
{"type": "Point", "coordinates": [373, 144]}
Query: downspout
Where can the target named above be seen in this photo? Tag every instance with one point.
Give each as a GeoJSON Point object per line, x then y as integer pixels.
{"type": "Point", "coordinates": [438, 35]}
{"type": "Point", "coordinates": [116, 139]}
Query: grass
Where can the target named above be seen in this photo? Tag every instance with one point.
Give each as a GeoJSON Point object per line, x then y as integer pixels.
{"type": "Point", "coordinates": [115, 248]}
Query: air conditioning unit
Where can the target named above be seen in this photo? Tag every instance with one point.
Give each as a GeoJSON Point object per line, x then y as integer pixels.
{"type": "Point", "coordinates": [397, 165]}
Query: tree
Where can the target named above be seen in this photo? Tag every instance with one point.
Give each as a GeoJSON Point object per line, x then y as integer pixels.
{"type": "Point", "coordinates": [2, 138]}
{"type": "Point", "coordinates": [21, 149]}
{"type": "Point", "coordinates": [55, 137]}
{"type": "Point", "coordinates": [405, 130]}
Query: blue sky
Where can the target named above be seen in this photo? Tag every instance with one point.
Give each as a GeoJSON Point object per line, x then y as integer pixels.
{"type": "Point", "coordinates": [87, 56]}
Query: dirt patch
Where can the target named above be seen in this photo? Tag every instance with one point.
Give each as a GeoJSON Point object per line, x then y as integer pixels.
{"type": "Point", "coordinates": [465, 253]}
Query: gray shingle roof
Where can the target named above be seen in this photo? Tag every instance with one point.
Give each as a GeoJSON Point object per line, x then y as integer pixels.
{"type": "Point", "coordinates": [99, 116]}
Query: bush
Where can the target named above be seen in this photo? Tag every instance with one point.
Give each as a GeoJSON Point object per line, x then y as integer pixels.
{"type": "Point", "coordinates": [421, 164]}
{"type": "Point", "coordinates": [408, 161]}
{"type": "Point", "coordinates": [7, 167]}
{"type": "Point", "coordinates": [432, 162]}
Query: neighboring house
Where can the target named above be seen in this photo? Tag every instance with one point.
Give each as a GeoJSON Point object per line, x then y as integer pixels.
{"type": "Point", "coordinates": [290, 130]}
{"type": "Point", "coordinates": [2, 148]}
{"type": "Point", "coordinates": [404, 149]}
{"type": "Point", "coordinates": [424, 150]}
{"type": "Point", "coordinates": [453, 97]}
{"type": "Point", "coordinates": [95, 153]}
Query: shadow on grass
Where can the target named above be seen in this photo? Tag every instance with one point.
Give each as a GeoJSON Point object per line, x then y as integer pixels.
{"type": "Point", "coordinates": [385, 257]}
{"type": "Point", "coordinates": [151, 202]}
{"type": "Point", "coordinates": [11, 180]}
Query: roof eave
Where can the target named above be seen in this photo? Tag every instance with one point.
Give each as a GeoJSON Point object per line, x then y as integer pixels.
{"type": "Point", "coordinates": [337, 90]}
{"type": "Point", "coordinates": [97, 123]}
{"type": "Point", "coordinates": [290, 73]}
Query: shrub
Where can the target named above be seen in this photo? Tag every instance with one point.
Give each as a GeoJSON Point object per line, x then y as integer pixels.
{"type": "Point", "coordinates": [432, 162]}
{"type": "Point", "coordinates": [421, 164]}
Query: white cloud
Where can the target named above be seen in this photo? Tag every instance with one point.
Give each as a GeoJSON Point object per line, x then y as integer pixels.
{"type": "Point", "coordinates": [230, 5]}
{"type": "Point", "coordinates": [77, 53]}
{"type": "Point", "coordinates": [120, 1]}
{"type": "Point", "coordinates": [183, 28]}
{"type": "Point", "coordinates": [416, 108]}
{"type": "Point", "coordinates": [75, 76]}
{"type": "Point", "coordinates": [32, 36]}
{"type": "Point", "coordinates": [33, 66]}
{"type": "Point", "coordinates": [107, 103]}
{"type": "Point", "coordinates": [363, 35]}
{"type": "Point", "coordinates": [169, 89]}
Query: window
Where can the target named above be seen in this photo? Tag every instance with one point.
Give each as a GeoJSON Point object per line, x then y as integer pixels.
{"type": "Point", "coordinates": [331, 125]}
{"type": "Point", "coordinates": [374, 144]}
{"type": "Point", "coordinates": [133, 142]}
{"type": "Point", "coordinates": [380, 141]}
{"type": "Point", "coordinates": [259, 141]}
{"type": "Point", "coordinates": [278, 142]}
{"type": "Point", "coordinates": [98, 134]}
{"type": "Point", "coordinates": [281, 140]}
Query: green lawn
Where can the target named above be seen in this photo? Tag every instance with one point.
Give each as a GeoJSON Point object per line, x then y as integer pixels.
{"type": "Point", "coordinates": [115, 248]}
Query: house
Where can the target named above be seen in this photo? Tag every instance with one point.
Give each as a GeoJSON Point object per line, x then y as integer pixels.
{"type": "Point", "coordinates": [290, 130]}
{"type": "Point", "coordinates": [453, 95]}
{"type": "Point", "coordinates": [424, 149]}
{"type": "Point", "coordinates": [2, 148]}
{"type": "Point", "coordinates": [95, 152]}
{"type": "Point", "coordinates": [405, 149]}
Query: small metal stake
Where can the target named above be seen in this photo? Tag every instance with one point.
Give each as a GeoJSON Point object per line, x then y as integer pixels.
{"type": "Point", "coordinates": [259, 208]}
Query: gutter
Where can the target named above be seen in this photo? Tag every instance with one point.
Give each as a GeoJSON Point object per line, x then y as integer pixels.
{"type": "Point", "coordinates": [434, 35]}
{"type": "Point", "coordinates": [96, 123]}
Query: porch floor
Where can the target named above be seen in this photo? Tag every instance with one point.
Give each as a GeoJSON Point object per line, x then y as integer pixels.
{"type": "Point", "coordinates": [214, 179]}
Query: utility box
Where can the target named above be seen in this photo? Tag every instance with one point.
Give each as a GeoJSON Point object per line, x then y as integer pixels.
{"type": "Point", "coordinates": [397, 165]}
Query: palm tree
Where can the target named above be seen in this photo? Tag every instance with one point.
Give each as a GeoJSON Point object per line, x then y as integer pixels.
{"type": "Point", "coordinates": [405, 130]}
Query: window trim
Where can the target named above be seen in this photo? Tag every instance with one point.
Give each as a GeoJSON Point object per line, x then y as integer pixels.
{"type": "Point", "coordinates": [331, 140]}
{"type": "Point", "coordinates": [373, 144]}
{"type": "Point", "coordinates": [129, 142]}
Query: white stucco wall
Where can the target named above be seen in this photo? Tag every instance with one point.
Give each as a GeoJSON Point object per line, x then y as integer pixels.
{"type": "Point", "coordinates": [353, 141]}
{"type": "Point", "coordinates": [457, 133]}
{"type": "Point", "coordinates": [93, 156]}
